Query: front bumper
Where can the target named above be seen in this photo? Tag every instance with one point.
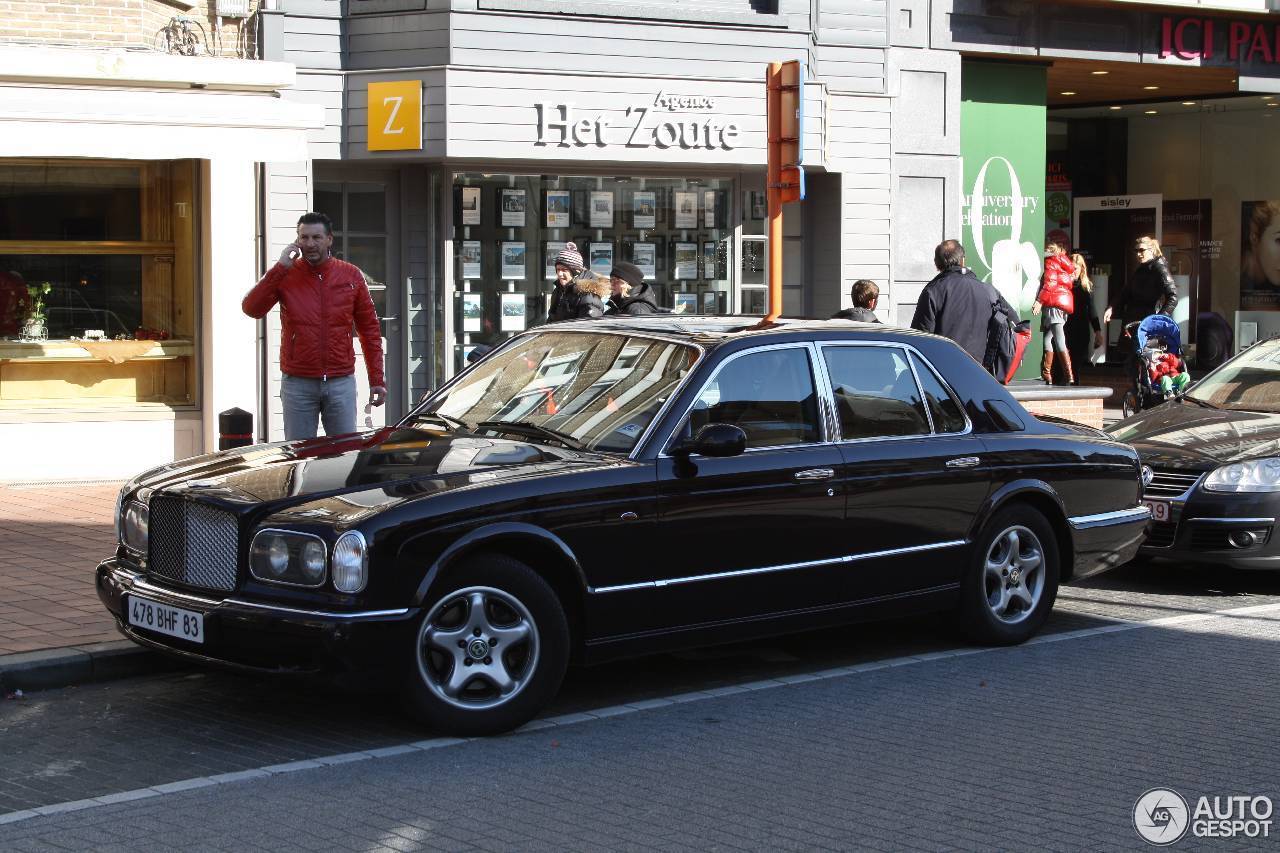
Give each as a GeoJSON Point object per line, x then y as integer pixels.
{"type": "Point", "coordinates": [1106, 540]}
{"type": "Point", "coordinates": [1201, 526]}
{"type": "Point", "coordinates": [259, 636]}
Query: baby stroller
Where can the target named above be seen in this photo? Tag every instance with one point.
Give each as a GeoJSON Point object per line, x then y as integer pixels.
{"type": "Point", "coordinates": [1159, 371]}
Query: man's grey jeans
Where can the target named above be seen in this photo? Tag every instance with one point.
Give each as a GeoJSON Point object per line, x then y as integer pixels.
{"type": "Point", "coordinates": [305, 399]}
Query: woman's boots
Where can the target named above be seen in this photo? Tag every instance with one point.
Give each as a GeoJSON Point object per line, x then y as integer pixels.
{"type": "Point", "coordinates": [1066, 367]}
{"type": "Point", "coordinates": [1046, 367]}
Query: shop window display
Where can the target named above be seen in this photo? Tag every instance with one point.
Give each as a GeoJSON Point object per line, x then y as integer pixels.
{"type": "Point", "coordinates": [97, 283]}
{"type": "Point", "coordinates": [508, 229]}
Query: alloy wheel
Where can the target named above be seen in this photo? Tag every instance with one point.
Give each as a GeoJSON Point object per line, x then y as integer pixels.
{"type": "Point", "coordinates": [1014, 574]}
{"type": "Point", "coordinates": [478, 648]}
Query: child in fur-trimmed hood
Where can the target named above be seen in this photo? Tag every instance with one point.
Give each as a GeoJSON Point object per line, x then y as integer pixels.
{"type": "Point", "coordinates": [586, 295]}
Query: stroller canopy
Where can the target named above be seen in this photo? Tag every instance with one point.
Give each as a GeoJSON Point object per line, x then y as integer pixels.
{"type": "Point", "coordinates": [1163, 327]}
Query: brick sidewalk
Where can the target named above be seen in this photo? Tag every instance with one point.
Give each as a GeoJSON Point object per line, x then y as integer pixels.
{"type": "Point", "coordinates": [51, 539]}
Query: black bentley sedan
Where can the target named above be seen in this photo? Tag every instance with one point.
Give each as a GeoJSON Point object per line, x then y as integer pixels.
{"type": "Point", "coordinates": [615, 487]}
{"type": "Point", "coordinates": [1211, 465]}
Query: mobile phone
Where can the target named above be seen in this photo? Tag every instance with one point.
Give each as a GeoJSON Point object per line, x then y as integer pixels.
{"type": "Point", "coordinates": [295, 252]}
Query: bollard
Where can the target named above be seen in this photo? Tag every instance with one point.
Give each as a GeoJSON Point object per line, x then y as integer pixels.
{"type": "Point", "coordinates": [235, 428]}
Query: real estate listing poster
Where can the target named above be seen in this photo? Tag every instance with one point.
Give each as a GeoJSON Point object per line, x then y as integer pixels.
{"type": "Point", "coordinates": [513, 261]}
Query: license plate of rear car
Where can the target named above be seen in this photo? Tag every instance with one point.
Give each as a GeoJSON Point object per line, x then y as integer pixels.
{"type": "Point", "coordinates": [166, 619]}
{"type": "Point", "coordinates": [1159, 510]}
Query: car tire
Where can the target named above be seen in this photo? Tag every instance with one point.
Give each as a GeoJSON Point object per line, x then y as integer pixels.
{"type": "Point", "coordinates": [1006, 598]}
{"type": "Point", "coordinates": [490, 649]}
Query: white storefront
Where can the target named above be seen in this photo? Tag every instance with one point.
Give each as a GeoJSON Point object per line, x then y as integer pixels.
{"type": "Point", "coordinates": [130, 186]}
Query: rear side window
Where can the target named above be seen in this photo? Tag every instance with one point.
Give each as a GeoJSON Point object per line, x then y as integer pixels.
{"type": "Point", "coordinates": [769, 394]}
{"type": "Point", "coordinates": [875, 394]}
{"type": "Point", "coordinates": [946, 411]}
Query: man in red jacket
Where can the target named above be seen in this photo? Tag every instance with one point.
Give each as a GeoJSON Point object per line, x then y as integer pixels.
{"type": "Point", "coordinates": [320, 297]}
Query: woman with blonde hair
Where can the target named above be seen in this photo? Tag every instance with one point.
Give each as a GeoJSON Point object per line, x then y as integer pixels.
{"type": "Point", "coordinates": [1084, 318]}
{"type": "Point", "coordinates": [1150, 288]}
{"type": "Point", "coordinates": [1260, 267]}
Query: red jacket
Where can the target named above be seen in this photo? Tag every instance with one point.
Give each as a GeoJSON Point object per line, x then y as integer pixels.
{"type": "Point", "coordinates": [1055, 285]}
{"type": "Point", "coordinates": [317, 307]}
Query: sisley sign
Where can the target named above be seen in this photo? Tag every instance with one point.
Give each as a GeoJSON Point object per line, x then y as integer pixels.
{"type": "Point", "coordinates": [640, 126]}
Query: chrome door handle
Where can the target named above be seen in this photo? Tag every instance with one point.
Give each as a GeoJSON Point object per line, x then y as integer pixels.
{"type": "Point", "coordinates": [814, 474]}
{"type": "Point", "coordinates": [963, 462]}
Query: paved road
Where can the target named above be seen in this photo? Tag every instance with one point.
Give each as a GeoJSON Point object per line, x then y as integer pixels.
{"type": "Point", "coordinates": [1046, 745]}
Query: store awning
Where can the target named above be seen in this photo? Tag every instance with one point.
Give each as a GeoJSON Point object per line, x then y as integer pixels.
{"type": "Point", "coordinates": [75, 103]}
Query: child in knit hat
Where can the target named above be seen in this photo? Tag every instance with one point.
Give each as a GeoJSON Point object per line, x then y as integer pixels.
{"type": "Point", "coordinates": [568, 265]}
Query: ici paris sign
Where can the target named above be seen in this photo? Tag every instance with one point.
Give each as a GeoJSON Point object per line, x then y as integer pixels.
{"type": "Point", "coordinates": [671, 121]}
{"type": "Point", "coordinates": [1209, 38]}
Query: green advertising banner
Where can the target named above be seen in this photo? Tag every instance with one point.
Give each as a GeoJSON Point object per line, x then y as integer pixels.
{"type": "Point", "coordinates": [1002, 145]}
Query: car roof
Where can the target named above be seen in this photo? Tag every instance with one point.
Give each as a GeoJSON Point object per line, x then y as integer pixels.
{"type": "Point", "coordinates": [711, 331]}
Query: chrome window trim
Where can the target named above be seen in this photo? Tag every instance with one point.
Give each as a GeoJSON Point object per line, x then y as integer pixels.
{"type": "Point", "coordinates": [140, 586]}
{"type": "Point", "coordinates": [822, 425]}
{"type": "Point", "coordinates": [1108, 519]}
{"type": "Point", "coordinates": [784, 567]}
{"type": "Point", "coordinates": [1231, 521]}
{"type": "Point", "coordinates": [323, 544]}
{"type": "Point", "coordinates": [968, 423]}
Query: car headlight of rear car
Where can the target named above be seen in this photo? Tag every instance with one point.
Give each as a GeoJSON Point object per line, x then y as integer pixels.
{"type": "Point", "coordinates": [350, 562]}
{"type": "Point", "coordinates": [288, 557]}
{"type": "Point", "coordinates": [1259, 475]}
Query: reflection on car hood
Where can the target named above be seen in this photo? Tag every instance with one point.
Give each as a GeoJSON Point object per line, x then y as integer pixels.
{"type": "Point", "coordinates": [365, 472]}
{"type": "Point", "coordinates": [1183, 435]}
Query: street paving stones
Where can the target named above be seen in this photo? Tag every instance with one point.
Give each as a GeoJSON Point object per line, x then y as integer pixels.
{"type": "Point", "coordinates": [1045, 746]}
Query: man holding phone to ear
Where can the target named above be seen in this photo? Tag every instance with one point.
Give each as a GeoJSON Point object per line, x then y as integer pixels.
{"type": "Point", "coordinates": [320, 298]}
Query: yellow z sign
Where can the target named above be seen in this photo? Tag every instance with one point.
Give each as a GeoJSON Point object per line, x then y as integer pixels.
{"type": "Point", "coordinates": [395, 116]}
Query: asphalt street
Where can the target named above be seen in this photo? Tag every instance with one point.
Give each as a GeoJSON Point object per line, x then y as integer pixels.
{"type": "Point", "coordinates": [1043, 746]}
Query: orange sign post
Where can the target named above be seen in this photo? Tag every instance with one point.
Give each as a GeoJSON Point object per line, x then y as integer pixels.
{"type": "Point", "coordinates": [784, 87]}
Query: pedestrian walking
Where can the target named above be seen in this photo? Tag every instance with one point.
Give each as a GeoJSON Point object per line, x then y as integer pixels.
{"type": "Point", "coordinates": [1150, 290]}
{"type": "Point", "coordinates": [568, 264]}
{"type": "Point", "coordinates": [320, 297]}
{"type": "Point", "coordinates": [631, 293]}
{"type": "Point", "coordinates": [1055, 303]}
{"type": "Point", "coordinates": [958, 305]}
{"type": "Point", "coordinates": [865, 293]}
{"type": "Point", "coordinates": [1084, 319]}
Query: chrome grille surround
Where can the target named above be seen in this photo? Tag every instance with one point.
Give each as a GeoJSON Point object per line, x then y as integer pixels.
{"type": "Point", "coordinates": [1167, 484]}
{"type": "Point", "coordinates": [192, 543]}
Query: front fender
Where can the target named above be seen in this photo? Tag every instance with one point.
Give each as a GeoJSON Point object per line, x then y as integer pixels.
{"type": "Point", "coordinates": [504, 532]}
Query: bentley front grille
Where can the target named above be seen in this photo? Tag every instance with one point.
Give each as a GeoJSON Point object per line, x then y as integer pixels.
{"type": "Point", "coordinates": [192, 543]}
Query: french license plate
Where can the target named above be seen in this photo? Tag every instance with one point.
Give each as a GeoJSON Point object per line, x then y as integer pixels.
{"type": "Point", "coordinates": [174, 621]}
{"type": "Point", "coordinates": [1159, 510]}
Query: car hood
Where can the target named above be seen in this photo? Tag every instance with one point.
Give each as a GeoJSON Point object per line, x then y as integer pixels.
{"type": "Point", "coordinates": [365, 472]}
{"type": "Point", "coordinates": [1184, 435]}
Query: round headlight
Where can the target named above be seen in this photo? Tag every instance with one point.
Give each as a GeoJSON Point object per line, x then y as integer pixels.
{"type": "Point", "coordinates": [312, 561]}
{"type": "Point", "coordinates": [133, 528]}
{"type": "Point", "coordinates": [277, 555]}
{"type": "Point", "coordinates": [350, 562]}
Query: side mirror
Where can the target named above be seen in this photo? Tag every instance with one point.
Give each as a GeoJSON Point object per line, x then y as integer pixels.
{"type": "Point", "coordinates": [716, 440]}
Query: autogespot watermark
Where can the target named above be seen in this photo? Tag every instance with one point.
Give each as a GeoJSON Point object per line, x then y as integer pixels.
{"type": "Point", "coordinates": [1162, 816]}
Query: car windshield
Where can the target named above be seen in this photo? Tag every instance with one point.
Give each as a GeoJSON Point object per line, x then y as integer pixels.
{"type": "Point", "coordinates": [599, 391]}
{"type": "Point", "coordinates": [1248, 382]}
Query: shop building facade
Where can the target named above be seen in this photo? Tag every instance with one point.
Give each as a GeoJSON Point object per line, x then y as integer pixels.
{"type": "Point", "coordinates": [636, 132]}
{"type": "Point", "coordinates": [129, 203]}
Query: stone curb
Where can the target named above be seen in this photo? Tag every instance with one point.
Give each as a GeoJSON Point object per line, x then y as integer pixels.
{"type": "Point", "coordinates": [50, 668]}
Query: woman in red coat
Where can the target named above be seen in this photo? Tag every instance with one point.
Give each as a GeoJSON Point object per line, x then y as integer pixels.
{"type": "Point", "coordinates": [1056, 299]}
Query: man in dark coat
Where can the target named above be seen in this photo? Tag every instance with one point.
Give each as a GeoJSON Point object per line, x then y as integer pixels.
{"type": "Point", "coordinates": [865, 293]}
{"type": "Point", "coordinates": [631, 294]}
{"type": "Point", "coordinates": [958, 305]}
{"type": "Point", "coordinates": [568, 264]}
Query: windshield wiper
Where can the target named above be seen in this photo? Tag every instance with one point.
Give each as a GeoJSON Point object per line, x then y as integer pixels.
{"type": "Point", "coordinates": [531, 429]}
{"type": "Point", "coordinates": [1205, 404]}
{"type": "Point", "coordinates": [448, 420]}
